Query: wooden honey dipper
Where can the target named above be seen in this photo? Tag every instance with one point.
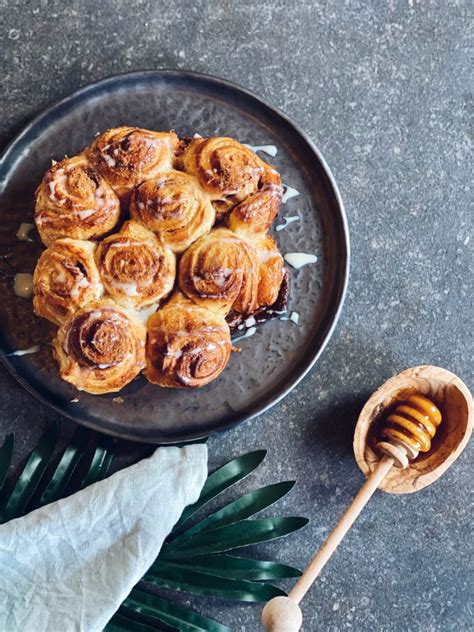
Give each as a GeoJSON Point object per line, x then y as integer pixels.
{"type": "Point", "coordinates": [405, 432]}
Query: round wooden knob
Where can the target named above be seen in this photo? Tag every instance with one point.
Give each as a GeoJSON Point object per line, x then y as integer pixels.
{"type": "Point", "coordinates": [453, 398]}
{"type": "Point", "coordinates": [282, 614]}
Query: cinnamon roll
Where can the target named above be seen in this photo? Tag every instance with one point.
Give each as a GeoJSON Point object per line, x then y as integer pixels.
{"type": "Point", "coordinates": [271, 270]}
{"type": "Point", "coordinates": [126, 156]}
{"type": "Point", "coordinates": [175, 207]}
{"type": "Point", "coordinates": [227, 170]}
{"type": "Point", "coordinates": [257, 212]}
{"type": "Point", "coordinates": [101, 348]}
{"type": "Point", "coordinates": [187, 345]}
{"type": "Point", "coordinates": [136, 269]}
{"type": "Point", "coordinates": [220, 272]}
{"type": "Point", "coordinates": [65, 279]}
{"type": "Point", "coordinates": [74, 200]}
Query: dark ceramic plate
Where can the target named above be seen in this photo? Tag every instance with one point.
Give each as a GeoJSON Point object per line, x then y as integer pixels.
{"type": "Point", "coordinates": [277, 357]}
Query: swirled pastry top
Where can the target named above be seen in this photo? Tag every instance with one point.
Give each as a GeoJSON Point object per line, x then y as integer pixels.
{"type": "Point", "coordinates": [224, 167]}
{"type": "Point", "coordinates": [101, 348]}
{"type": "Point", "coordinates": [74, 200]}
{"type": "Point", "coordinates": [136, 269]}
{"type": "Point", "coordinates": [187, 346]}
{"type": "Point", "coordinates": [220, 271]}
{"type": "Point", "coordinates": [126, 156]}
{"type": "Point", "coordinates": [175, 207]}
{"type": "Point", "coordinates": [65, 279]}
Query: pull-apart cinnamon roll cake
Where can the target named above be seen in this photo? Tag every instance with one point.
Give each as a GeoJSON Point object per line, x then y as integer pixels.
{"type": "Point", "coordinates": [143, 222]}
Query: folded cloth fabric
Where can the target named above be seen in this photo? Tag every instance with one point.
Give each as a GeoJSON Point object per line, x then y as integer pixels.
{"type": "Point", "coordinates": [68, 566]}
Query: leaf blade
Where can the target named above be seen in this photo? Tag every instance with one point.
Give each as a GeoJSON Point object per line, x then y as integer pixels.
{"type": "Point", "coordinates": [31, 474]}
{"type": "Point", "coordinates": [244, 507]}
{"type": "Point", "coordinates": [220, 480]}
{"type": "Point", "coordinates": [189, 580]}
{"type": "Point", "coordinates": [100, 465]}
{"type": "Point", "coordinates": [121, 623]}
{"type": "Point", "coordinates": [66, 467]}
{"type": "Point", "coordinates": [6, 452]}
{"type": "Point", "coordinates": [158, 608]}
{"type": "Point", "coordinates": [234, 536]}
{"type": "Point", "coordinates": [233, 567]}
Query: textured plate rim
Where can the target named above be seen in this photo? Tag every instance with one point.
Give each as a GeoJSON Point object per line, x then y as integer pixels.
{"type": "Point", "coordinates": [81, 93]}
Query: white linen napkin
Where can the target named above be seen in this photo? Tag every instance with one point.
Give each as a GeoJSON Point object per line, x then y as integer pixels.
{"type": "Point", "coordinates": [68, 566]}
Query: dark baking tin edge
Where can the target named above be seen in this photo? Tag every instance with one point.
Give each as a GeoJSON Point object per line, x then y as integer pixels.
{"type": "Point", "coordinates": [66, 102]}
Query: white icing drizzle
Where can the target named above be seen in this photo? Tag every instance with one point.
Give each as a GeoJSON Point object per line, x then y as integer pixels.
{"type": "Point", "coordinates": [23, 232]}
{"type": "Point", "coordinates": [271, 150]}
{"type": "Point", "coordinates": [247, 334]}
{"type": "Point", "coordinates": [144, 314]}
{"type": "Point", "coordinates": [299, 259]}
{"type": "Point", "coordinates": [85, 213]}
{"type": "Point", "coordinates": [294, 316]}
{"type": "Point", "coordinates": [109, 160]}
{"type": "Point", "coordinates": [289, 219]}
{"type": "Point", "coordinates": [23, 285]}
{"type": "Point", "coordinates": [21, 352]}
{"type": "Point", "coordinates": [288, 193]}
{"type": "Point", "coordinates": [130, 289]}
{"type": "Point", "coordinates": [81, 283]}
{"type": "Point", "coordinates": [250, 322]}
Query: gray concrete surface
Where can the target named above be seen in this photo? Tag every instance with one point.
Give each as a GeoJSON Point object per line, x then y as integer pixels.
{"type": "Point", "coordinates": [383, 88]}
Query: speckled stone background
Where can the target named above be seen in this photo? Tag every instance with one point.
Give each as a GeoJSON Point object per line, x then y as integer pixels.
{"type": "Point", "coordinates": [384, 89]}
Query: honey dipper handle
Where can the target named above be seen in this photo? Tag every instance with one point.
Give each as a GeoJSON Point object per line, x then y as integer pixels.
{"type": "Point", "coordinates": [345, 523]}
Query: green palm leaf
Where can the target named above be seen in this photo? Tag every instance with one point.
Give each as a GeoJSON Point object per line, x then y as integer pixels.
{"type": "Point", "coordinates": [219, 481]}
{"type": "Point", "coordinates": [193, 558]}
{"type": "Point", "coordinates": [66, 467]}
{"type": "Point", "coordinates": [234, 536]}
{"type": "Point", "coordinates": [6, 452]}
{"type": "Point", "coordinates": [244, 507]}
{"type": "Point", "coordinates": [122, 623]}
{"type": "Point", "coordinates": [31, 475]}
{"type": "Point", "coordinates": [157, 608]}
{"type": "Point", "coordinates": [234, 567]}
{"type": "Point", "coordinates": [100, 464]}
{"type": "Point", "coordinates": [187, 579]}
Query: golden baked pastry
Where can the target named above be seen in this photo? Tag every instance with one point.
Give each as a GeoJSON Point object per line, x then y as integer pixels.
{"type": "Point", "coordinates": [65, 279]}
{"type": "Point", "coordinates": [187, 346]}
{"type": "Point", "coordinates": [126, 156]}
{"type": "Point", "coordinates": [256, 213]}
{"type": "Point", "coordinates": [271, 270]}
{"type": "Point", "coordinates": [220, 272]}
{"type": "Point", "coordinates": [175, 207]}
{"type": "Point", "coordinates": [73, 200]}
{"type": "Point", "coordinates": [209, 201]}
{"type": "Point", "coordinates": [226, 169]}
{"type": "Point", "coordinates": [136, 269]}
{"type": "Point", "coordinates": [101, 348]}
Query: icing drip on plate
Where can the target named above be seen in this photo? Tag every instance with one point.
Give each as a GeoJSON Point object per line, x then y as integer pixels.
{"type": "Point", "coordinates": [288, 193]}
{"type": "Point", "coordinates": [23, 285]}
{"type": "Point", "coordinates": [23, 232]}
{"type": "Point", "coordinates": [21, 352]}
{"type": "Point", "coordinates": [271, 150]}
{"type": "Point", "coordinates": [289, 219]}
{"type": "Point", "coordinates": [250, 332]}
{"type": "Point", "coordinates": [299, 259]}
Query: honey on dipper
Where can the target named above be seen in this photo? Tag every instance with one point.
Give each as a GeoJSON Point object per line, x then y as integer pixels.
{"type": "Point", "coordinates": [408, 430]}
